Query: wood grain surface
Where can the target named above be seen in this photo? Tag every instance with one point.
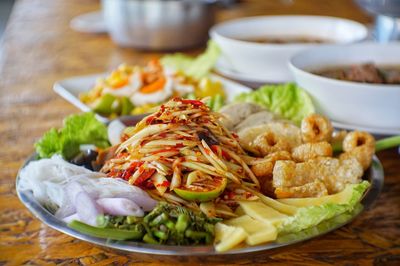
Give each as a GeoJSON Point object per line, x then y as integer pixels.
{"type": "Point", "coordinates": [39, 48]}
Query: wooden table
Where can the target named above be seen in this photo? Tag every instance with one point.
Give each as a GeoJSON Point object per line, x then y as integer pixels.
{"type": "Point", "coordinates": [39, 48]}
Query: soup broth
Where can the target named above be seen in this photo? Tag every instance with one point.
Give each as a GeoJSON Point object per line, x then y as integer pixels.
{"type": "Point", "coordinates": [365, 73]}
{"type": "Point", "coordinates": [285, 39]}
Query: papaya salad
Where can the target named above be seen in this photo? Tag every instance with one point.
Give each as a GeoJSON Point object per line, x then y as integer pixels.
{"type": "Point", "coordinates": [186, 175]}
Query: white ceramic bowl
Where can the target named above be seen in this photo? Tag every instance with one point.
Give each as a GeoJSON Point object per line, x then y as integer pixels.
{"type": "Point", "coordinates": [262, 59]}
{"type": "Point", "coordinates": [368, 105]}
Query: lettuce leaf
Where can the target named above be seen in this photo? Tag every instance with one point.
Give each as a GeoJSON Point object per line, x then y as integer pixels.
{"type": "Point", "coordinates": [321, 228]}
{"type": "Point", "coordinates": [197, 67]}
{"type": "Point", "coordinates": [78, 129]}
{"type": "Point", "coordinates": [307, 217]}
{"type": "Point", "coordinates": [287, 100]}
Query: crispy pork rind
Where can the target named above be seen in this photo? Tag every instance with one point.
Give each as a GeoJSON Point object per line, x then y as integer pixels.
{"type": "Point", "coordinates": [359, 145]}
{"type": "Point", "coordinates": [271, 137]}
{"type": "Point", "coordinates": [316, 128]}
{"type": "Point", "coordinates": [307, 151]}
{"type": "Point", "coordinates": [334, 173]}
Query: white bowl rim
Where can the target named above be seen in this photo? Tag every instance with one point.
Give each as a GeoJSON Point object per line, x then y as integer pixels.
{"type": "Point", "coordinates": [213, 32]}
{"type": "Point", "coordinates": [342, 84]}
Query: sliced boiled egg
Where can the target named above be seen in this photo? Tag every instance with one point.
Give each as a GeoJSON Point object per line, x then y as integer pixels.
{"type": "Point", "coordinates": [148, 95]}
{"type": "Point", "coordinates": [134, 84]}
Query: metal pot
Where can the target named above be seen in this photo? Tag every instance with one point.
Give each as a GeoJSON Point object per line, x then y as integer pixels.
{"type": "Point", "coordinates": [159, 24]}
{"type": "Point", "coordinates": [387, 23]}
{"type": "Point", "coordinates": [389, 8]}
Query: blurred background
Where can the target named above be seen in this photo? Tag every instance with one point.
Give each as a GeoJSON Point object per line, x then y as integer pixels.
{"type": "Point", "coordinates": [5, 10]}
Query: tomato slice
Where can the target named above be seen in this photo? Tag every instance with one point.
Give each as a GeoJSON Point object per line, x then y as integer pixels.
{"type": "Point", "coordinates": [209, 190]}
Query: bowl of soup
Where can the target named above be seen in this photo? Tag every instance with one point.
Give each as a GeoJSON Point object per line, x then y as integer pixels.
{"type": "Point", "coordinates": [357, 84]}
{"type": "Point", "coordinates": [261, 46]}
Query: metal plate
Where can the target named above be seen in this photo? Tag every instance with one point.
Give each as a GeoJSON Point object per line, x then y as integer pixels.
{"type": "Point", "coordinates": [374, 175]}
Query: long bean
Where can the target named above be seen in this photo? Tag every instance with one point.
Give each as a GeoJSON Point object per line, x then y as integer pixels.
{"type": "Point", "coordinates": [148, 239]}
{"type": "Point", "coordinates": [387, 143]}
{"type": "Point", "coordinates": [182, 223]}
{"type": "Point", "coordinates": [380, 145]}
{"type": "Point", "coordinates": [116, 234]}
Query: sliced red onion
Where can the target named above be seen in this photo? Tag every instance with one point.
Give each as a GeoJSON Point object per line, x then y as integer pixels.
{"type": "Point", "coordinates": [65, 210]}
{"type": "Point", "coordinates": [120, 206]}
{"type": "Point", "coordinates": [143, 200]}
{"type": "Point", "coordinates": [67, 207]}
{"type": "Point", "coordinates": [87, 208]}
{"type": "Point", "coordinates": [72, 189]}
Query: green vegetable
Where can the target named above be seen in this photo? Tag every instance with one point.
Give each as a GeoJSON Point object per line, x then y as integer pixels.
{"type": "Point", "coordinates": [287, 100]}
{"type": "Point", "coordinates": [104, 104]}
{"type": "Point", "coordinates": [132, 219]}
{"type": "Point", "coordinates": [78, 129]}
{"type": "Point", "coordinates": [177, 225]}
{"type": "Point", "coordinates": [380, 145]}
{"type": "Point", "coordinates": [126, 106]}
{"type": "Point", "coordinates": [387, 143]}
{"type": "Point", "coordinates": [190, 96]}
{"type": "Point", "coordinates": [161, 235]}
{"type": "Point", "coordinates": [163, 217]}
{"type": "Point", "coordinates": [307, 217]}
{"type": "Point", "coordinates": [197, 67]}
{"type": "Point", "coordinates": [102, 221]}
{"type": "Point", "coordinates": [182, 223]}
{"type": "Point", "coordinates": [195, 234]}
{"type": "Point", "coordinates": [215, 102]}
{"type": "Point", "coordinates": [115, 234]}
{"type": "Point", "coordinates": [323, 227]}
{"type": "Point", "coordinates": [148, 239]}
{"type": "Point", "coordinates": [166, 224]}
{"type": "Point", "coordinates": [202, 194]}
{"type": "Point", "coordinates": [108, 104]}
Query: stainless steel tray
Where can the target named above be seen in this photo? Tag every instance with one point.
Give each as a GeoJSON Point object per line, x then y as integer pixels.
{"type": "Point", "coordinates": [374, 175]}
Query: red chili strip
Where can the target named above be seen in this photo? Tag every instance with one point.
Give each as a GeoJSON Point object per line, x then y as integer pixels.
{"type": "Point", "coordinates": [164, 184]}
{"type": "Point", "coordinates": [147, 174]}
{"type": "Point", "coordinates": [193, 102]}
{"type": "Point", "coordinates": [215, 149]}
